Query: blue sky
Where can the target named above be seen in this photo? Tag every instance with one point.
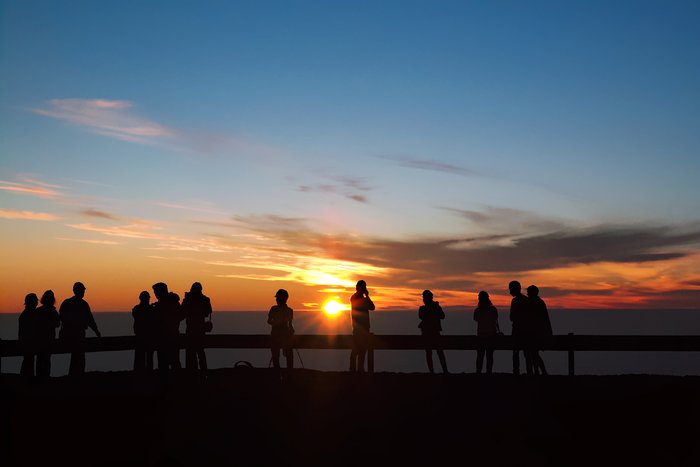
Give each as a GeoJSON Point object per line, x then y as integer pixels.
{"type": "Point", "coordinates": [379, 119]}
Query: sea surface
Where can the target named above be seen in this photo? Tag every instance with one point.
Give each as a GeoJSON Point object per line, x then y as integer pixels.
{"type": "Point", "coordinates": [620, 322]}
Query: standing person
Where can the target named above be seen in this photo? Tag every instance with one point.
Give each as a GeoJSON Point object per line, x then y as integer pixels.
{"type": "Point", "coordinates": [196, 307]}
{"type": "Point", "coordinates": [76, 317]}
{"type": "Point", "coordinates": [361, 305]}
{"type": "Point", "coordinates": [542, 326]}
{"type": "Point", "coordinates": [280, 318]}
{"type": "Point", "coordinates": [45, 324]}
{"type": "Point", "coordinates": [519, 316]}
{"type": "Point", "coordinates": [167, 316]}
{"type": "Point", "coordinates": [144, 330]}
{"type": "Point", "coordinates": [27, 335]}
{"type": "Point", "coordinates": [486, 317]}
{"type": "Point", "coordinates": [430, 315]}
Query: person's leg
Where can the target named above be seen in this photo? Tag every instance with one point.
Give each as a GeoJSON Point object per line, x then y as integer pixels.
{"type": "Point", "coordinates": [149, 358]}
{"type": "Point", "coordinates": [289, 356]}
{"type": "Point", "coordinates": [429, 360]}
{"type": "Point", "coordinates": [479, 360]}
{"type": "Point", "coordinates": [516, 362]}
{"type": "Point", "coordinates": [361, 359]}
{"type": "Point", "coordinates": [202, 358]}
{"type": "Point", "coordinates": [139, 357]}
{"type": "Point", "coordinates": [539, 363]}
{"type": "Point", "coordinates": [443, 360]}
{"type": "Point", "coordinates": [43, 365]}
{"type": "Point", "coordinates": [27, 370]}
{"type": "Point", "coordinates": [190, 355]}
{"type": "Point", "coordinates": [489, 361]}
{"type": "Point", "coordinates": [175, 355]}
{"type": "Point", "coordinates": [529, 361]}
{"type": "Point", "coordinates": [275, 357]}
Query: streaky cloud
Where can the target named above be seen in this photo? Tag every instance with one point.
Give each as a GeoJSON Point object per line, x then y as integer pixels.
{"type": "Point", "coordinates": [431, 165]}
{"type": "Point", "coordinates": [32, 187]}
{"type": "Point", "coordinates": [90, 212]}
{"type": "Point", "coordinates": [113, 118]}
{"type": "Point", "coordinates": [27, 215]}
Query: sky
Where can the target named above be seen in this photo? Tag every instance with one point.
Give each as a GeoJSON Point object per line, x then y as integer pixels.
{"type": "Point", "coordinates": [251, 146]}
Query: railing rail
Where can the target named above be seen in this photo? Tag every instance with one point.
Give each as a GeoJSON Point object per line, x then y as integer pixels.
{"type": "Point", "coordinates": [566, 343]}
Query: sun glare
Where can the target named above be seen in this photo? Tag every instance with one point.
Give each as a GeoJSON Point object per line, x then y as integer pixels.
{"type": "Point", "coordinates": [332, 307]}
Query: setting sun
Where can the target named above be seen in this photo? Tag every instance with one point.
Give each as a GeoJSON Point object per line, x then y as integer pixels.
{"type": "Point", "coordinates": [332, 307]}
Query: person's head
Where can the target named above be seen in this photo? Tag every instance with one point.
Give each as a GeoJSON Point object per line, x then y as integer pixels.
{"type": "Point", "coordinates": [484, 299]}
{"type": "Point", "coordinates": [196, 288]}
{"type": "Point", "coordinates": [48, 298]}
{"type": "Point", "coordinates": [533, 291]}
{"type": "Point", "coordinates": [361, 286]}
{"type": "Point", "coordinates": [160, 290]}
{"type": "Point", "coordinates": [31, 301]}
{"type": "Point", "coordinates": [282, 296]}
{"type": "Point", "coordinates": [514, 288]}
{"type": "Point", "coordinates": [79, 289]}
{"type": "Point", "coordinates": [427, 296]}
{"type": "Point", "coordinates": [144, 297]}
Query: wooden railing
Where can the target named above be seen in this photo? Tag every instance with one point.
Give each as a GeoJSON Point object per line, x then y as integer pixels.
{"type": "Point", "coordinates": [565, 343]}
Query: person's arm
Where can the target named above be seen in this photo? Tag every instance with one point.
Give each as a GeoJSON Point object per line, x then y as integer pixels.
{"type": "Point", "coordinates": [270, 319]}
{"type": "Point", "coordinates": [440, 313]}
{"type": "Point", "coordinates": [91, 321]}
{"type": "Point", "coordinates": [369, 303]}
{"type": "Point", "coordinates": [547, 322]}
{"type": "Point", "coordinates": [476, 315]}
{"type": "Point", "coordinates": [208, 310]}
{"type": "Point", "coordinates": [421, 313]}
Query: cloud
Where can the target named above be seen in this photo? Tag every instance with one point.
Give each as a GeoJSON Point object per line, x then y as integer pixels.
{"type": "Point", "coordinates": [33, 188]}
{"type": "Point", "coordinates": [85, 240]}
{"type": "Point", "coordinates": [113, 118]}
{"type": "Point", "coordinates": [27, 215]}
{"type": "Point", "coordinates": [349, 187]}
{"type": "Point", "coordinates": [432, 165]}
{"type": "Point", "coordinates": [97, 213]}
{"type": "Point", "coordinates": [119, 119]}
{"type": "Point", "coordinates": [510, 221]}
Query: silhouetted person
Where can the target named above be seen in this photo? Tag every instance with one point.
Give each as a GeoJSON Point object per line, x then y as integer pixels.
{"type": "Point", "coordinates": [196, 307]}
{"type": "Point", "coordinates": [361, 305]}
{"type": "Point", "coordinates": [145, 332]}
{"type": "Point", "coordinates": [168, 315]}
{"type": "Point", "coordinates": [76, 317]}
{"type": "Point", "coordinates": [486, 317]}
{"type": "Point", "coordinates": [430, 315]}
{"type": "Point", "coordinates": [542, 326]}
{"type": "Point", "coordinates": [45, 324]}
{"type": "Point", "coordinates": [280, 318]}
{"type": "Point", "coordinates": [27, 335]}
{"type": "Point", "coordinates": [520, 317]}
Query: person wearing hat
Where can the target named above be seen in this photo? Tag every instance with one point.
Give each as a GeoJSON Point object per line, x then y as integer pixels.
{"type": "Point", "coordinates": [280, 318]}
{"type": "Point", "coordinates": [486, 317]}
{"type": "Point", "coordinates": [430, 315]}
{"type": "Point", "coordinates": [76, 317]}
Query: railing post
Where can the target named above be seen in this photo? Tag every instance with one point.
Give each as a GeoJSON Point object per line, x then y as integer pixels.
{"type": "Point", "coordinates": [572, 370]}
{"type": "Point", "coordinates": [370, 354]}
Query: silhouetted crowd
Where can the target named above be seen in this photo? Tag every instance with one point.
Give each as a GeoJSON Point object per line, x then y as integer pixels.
{"type": "Point", "coordinates": [157, 329]}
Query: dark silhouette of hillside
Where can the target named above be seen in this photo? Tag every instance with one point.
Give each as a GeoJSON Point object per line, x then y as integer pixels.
{"type": "Point", "coordinates": [244, 416]}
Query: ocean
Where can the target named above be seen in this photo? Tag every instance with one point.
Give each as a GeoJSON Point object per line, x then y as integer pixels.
{"type": "Point", "coordinates": [620, 322]}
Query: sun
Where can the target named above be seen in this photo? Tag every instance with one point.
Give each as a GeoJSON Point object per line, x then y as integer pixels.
{"type": "Point", "coordinates": [332, 307]}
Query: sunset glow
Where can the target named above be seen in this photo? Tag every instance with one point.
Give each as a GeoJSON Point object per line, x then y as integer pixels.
{"type": "Point", "coordinates": [332, 307]}
{"type": "Point", "coordinates": [264, 149]}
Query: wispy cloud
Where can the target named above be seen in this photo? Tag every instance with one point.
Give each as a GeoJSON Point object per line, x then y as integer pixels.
{"type": "Point", "coordinates": [432, 165]}
{"type": "Point", "coordinates": [32, 188]}
{"type": "Point", "coordinates": [90, 241]}
{"type": "Point", "coordinates": [113, 118]}
{"type": "Point", "coordinates": [186, 207]}
{"type": "Point", "coordinates": [90, 212]}
{"type": "Point", "coordinates": [27, 215]}
{"type": "Point", "coordinates": [352, 188]}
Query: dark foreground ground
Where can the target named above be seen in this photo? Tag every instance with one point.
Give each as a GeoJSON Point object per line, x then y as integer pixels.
{"type": "Point", "coordinates": [251, 417]}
